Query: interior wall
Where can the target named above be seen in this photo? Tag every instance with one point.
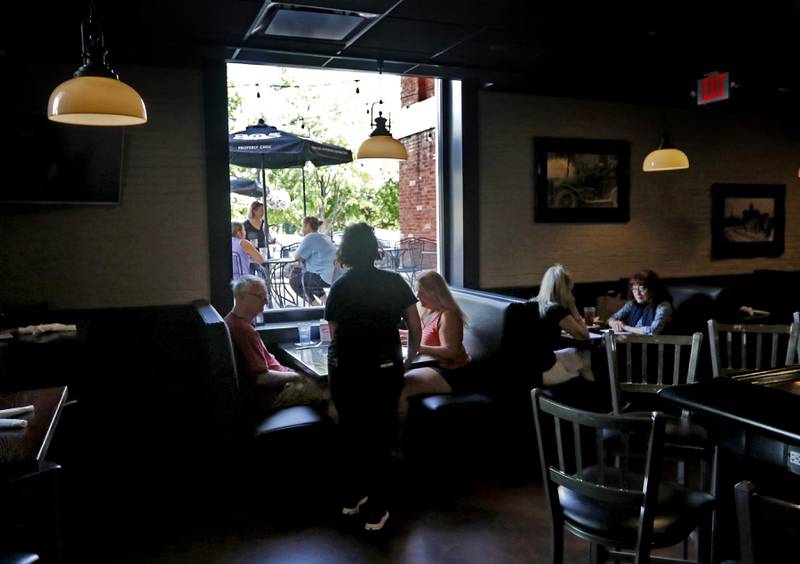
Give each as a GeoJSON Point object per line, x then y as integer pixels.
{"type": "Point", "coordinates": [153, 248]}
{"type": "Point", "coordinates": [669, 229]}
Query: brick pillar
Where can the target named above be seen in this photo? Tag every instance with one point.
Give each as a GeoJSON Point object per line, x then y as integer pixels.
{"type": "Point", "coordinates": [418, 173]}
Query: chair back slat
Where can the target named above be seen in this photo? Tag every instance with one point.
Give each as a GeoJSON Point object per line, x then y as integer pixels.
{"type": "Point", "coordinates": [628, 364]}
{"type": "Point", "coordinates": [676, 367]}
{"type": "Point", "coordinates": [576, 441]}
{"type": "Point", "coordinates": [559, 444]}
{"type": "Point", "coordinates": [660, 379]}
{"type": "Point", "coordinates": [642, 376]}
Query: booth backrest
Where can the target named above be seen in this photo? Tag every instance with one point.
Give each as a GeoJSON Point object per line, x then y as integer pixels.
{"type": "Point", "coordinates": [694, 305]}
{"type": "Point", "coordinates": [486, 314]}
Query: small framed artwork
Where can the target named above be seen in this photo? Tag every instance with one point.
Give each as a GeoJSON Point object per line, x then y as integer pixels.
{"type": "Point", "coordinates": [747, 220]}
{"type": "Point", "coordinates": [581, 180]}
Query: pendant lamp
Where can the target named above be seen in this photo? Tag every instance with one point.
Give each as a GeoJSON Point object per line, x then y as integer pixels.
{"type": "Point", "coordinates": [95, 95]}
{"type": "Point", "coordinates": [666, 157]}
{"type": "Point", "coordinates": [381, 144]}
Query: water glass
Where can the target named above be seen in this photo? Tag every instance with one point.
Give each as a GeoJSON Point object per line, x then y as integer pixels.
{"type": "Point", "coordinates": [304, 333]}
{"type": "Point", "coordinates": [589, 313]}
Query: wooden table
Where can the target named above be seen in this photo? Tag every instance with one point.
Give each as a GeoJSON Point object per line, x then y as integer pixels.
{"type": "Point", "coordinates": [314, 359]}
{"type": "Point", "coordinates": [24, 450]}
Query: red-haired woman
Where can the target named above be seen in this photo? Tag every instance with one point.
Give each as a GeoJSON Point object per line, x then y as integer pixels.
{"type": "Point", "coordinates": [649, 308]}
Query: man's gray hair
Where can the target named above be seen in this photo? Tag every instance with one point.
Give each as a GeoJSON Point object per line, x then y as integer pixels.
{"type": "Point", "coordinates": [241, 284]}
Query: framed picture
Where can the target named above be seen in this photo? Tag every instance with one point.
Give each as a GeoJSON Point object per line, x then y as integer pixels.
{"type": "Point", "coordinates": [747, 220]}
{"type": "Point", "coordinates": [581, 180]}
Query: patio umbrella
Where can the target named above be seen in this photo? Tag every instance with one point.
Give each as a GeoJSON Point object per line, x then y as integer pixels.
{"type": "Point", "coordinates": [262, 146]}
{"type": "Point", "coordinates": [245, 187]}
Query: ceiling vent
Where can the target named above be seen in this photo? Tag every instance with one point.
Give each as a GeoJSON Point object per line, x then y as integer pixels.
{"type": "Point", "coordinates": [304, 22]}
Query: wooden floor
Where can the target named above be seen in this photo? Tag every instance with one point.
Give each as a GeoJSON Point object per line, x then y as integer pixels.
{"type": "Point", "coordinates": [478, 522]}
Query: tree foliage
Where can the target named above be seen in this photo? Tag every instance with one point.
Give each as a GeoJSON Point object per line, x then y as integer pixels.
{"type": "Point", "coordinates": [337, 194]}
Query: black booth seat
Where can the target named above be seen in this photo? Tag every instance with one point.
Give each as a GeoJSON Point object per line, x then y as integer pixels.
{"type": "Point", "coordinates": [473, 416]}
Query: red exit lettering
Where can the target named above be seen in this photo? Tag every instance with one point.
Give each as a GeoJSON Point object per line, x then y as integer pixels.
{"type": "Point", "coordinates": [713, 88]}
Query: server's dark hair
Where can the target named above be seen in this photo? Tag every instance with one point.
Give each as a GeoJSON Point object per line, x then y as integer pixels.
{"type": "Point", "coordinates": [359, 247]}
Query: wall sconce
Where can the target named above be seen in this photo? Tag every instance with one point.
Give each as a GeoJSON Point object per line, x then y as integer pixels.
{"type": "Point", "coordinates": [95, 95]}
{"type": "Point", "coordinates": [381, 144]}
{"type": "Point", "coordinates": [666, 157]}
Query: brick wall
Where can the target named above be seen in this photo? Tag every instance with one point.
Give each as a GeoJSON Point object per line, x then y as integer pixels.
{"type": "Point", "coordinates": [415, 89]}
{"type": "Point", "coordinates": [418, 173]}
{"type": "Point", "coordinates": [151, 249]}
{"type": "Point", "coordinates": [669, 229]}
{"type": "Point", "coordinates": [418, 186]}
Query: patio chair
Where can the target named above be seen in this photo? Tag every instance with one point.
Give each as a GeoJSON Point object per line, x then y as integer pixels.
{"type": "Point", "coordinates": [414, 254]}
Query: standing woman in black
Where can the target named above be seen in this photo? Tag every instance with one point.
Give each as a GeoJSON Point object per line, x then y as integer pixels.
{"type": "Point", "coordinates": [365, 366]}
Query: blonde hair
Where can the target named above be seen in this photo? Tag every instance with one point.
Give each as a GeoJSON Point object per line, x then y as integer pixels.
{"type": "Point", "coordinates": [432, 283]}
{"type": "Point", "coordinates": [555, 289]}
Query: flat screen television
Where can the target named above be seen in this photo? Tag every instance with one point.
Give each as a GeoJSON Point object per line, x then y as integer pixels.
{"type": "Point", "coordinates": [45, 162]}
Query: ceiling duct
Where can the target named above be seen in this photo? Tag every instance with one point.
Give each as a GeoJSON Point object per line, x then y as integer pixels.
{"type": "Point", "coordinates": [305, 22]}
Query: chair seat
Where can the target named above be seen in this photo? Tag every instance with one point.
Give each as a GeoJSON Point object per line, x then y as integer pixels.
{"type": "Point", "coordinates": [678, 511]}
{"type": "Point", "coordinates": [18, 558]}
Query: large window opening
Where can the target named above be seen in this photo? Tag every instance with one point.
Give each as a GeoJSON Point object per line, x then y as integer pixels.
{"type": "Point", "coordinates": [331, 113]}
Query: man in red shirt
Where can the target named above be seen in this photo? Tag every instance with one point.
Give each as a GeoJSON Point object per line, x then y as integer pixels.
{"type": "Point", "coordinates": [256, 364]}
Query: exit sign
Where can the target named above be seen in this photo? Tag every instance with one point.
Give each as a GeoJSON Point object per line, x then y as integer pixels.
{"type": "Point", "coordinates": [713, 88]}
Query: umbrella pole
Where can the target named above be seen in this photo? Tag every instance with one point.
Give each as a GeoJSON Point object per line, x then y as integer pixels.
{"type": "Point", "coordinates": [303, 171]}
{"type": "Point", "coordinates": [265, 223]}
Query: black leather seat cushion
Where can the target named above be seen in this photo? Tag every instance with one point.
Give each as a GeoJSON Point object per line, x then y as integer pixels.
{"type": "Point", "coordinates": [289, 418]}
{"type": "Point", "coordinates": [454, 402]}
{"type": "Point", "coordinates": [676, 514]}
{"type": "Point", "coordinates": [18, 558]}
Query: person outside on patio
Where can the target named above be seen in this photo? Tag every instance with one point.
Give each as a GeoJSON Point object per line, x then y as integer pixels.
{"type": "Point", "coordinates": [243, 251]}
{"type": "Point", "coordinates": [365, 367]}
{"type": "Point", "coordinates": [254, 225]}
{"type": "Point", "coordinates": [317, 254]}
{"type": "Point", "coordinates": [442, 338]}
{"type": "Point", "coordinates": [649, 308]}
{"type": "Point", "coordinates": [269, 384]}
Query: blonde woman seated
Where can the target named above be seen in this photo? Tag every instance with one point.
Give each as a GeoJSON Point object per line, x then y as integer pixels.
{"type": "Point", "coordinates": [442, 338]}
{"type": "Point", "coordinates": [556, 312]}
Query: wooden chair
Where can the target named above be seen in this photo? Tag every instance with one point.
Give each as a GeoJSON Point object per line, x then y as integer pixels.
{"type": "Point", "coordinates": [751, 356]}
{"type": "Point", "coordinates": [644, 373]}
{"type": "Point", "coordinates": [618, 503]}
{"type": "Point", "coordinates": [767, 526]}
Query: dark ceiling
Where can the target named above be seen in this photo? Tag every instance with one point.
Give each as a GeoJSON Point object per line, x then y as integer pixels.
{"type": "Point", "coordinates": [643, 52]}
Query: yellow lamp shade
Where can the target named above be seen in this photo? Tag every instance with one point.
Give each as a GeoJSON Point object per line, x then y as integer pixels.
{"type": "Point", "coordinates": [382, 147]}
{"type": "Point", "coordinates": [96, 100]}
{"type": "Point", "coordinates": [665, 159]}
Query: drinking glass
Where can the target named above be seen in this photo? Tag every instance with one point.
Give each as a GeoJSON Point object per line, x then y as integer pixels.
{"type": "Point", "coordinates": [304, 333]}
{"type": "Point", "coordinates": [589, 314]}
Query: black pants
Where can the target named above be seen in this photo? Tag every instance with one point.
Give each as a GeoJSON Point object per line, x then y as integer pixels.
{"type": "Point", "coordinates": [307, 285]}
{"type": "Point", "coordinates": [366, 392]}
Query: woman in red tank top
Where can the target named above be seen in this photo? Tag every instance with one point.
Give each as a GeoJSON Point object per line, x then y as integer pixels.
{"type": "Point", "coordinates": [442, 338]}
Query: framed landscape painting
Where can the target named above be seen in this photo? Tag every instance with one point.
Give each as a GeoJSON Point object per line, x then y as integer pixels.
{"type": "Point", "coordinates": [747, 220]}
{"type": "Point", "coordinates": [581, 180]}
